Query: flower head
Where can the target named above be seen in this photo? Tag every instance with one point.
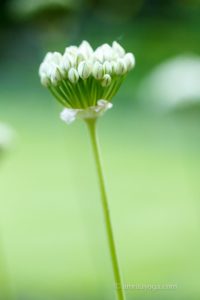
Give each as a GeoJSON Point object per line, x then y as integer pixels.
{"type": "Point", "coordinates": [85, 80]}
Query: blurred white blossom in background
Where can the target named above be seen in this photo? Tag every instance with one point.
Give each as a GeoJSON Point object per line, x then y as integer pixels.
{"type": "Point", "coordinates": [174, 83]}
{"type": "Point", "coordinates": [7, 136]}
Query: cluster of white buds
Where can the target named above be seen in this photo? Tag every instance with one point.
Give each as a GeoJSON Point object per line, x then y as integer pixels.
{"type": "Point", "coordinates": [82, 76]}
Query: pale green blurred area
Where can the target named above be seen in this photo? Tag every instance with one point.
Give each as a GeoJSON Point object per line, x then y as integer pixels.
{"type": "Point", "coordinates": [52, 231]}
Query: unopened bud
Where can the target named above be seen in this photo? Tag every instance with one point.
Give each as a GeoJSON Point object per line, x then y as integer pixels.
{"type": "Point", "coordinates": [129, 60]}
{"type": "Point", "coordinates": [99, 55]}
{"type": "Point", "coordinates": [86, 49]}
{"type": "Point", "coordinates": [107, 52]}
{"type": "Point", "coordinates": [54, 80]}
{"type": "Point", "coordinates": [120, 67]}
{"type": "Point", "coordinates": [80, 57]}
{"type": "Point", "coordinates": [45, 81]}
{"type": "Point", "coordinates": [55, 75]}
{"type": "Point", "coordinates": [84, 70]}
{"type": "Point", "coordinates": [66, 63]}
{"type": "Point", "coordinates": [73, 75]}
{"type": "Point", "coordinates": [71, 50]}
{"type": "Point", "coordinates": [118, 48]}
{"type": "Point", "coordinates": [106, 80]}
{"type": "Point", "coordinates": [56, 58]}
{"type": "Point", "coordinates": [107, 67]}
{"type": "Point", "coordinates": [98, 70]}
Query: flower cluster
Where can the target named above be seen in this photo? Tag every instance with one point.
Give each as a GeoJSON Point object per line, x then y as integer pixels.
{"type": "Point", "coordinates": [83, 79]}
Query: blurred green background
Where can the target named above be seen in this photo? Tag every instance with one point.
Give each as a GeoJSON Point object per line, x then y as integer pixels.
{"type": "Point", "coordinates": [51, 228]}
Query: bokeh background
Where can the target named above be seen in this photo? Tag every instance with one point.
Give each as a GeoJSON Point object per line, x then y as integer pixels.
{"type": "Point", "coordinates": [51, 229]}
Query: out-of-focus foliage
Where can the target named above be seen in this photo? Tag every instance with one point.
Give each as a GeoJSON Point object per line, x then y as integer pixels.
{"type": "Point", "coordinates": [27, 9]}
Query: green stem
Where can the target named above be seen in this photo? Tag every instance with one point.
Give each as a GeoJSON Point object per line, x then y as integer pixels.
{"type": "Point", "coordinates": [111, 243]}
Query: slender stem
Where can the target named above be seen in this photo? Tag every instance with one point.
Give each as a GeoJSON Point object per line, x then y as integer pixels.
{"type": "Point", "coordinates": [111, 243]}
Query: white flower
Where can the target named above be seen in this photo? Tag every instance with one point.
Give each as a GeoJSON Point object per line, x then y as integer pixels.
{"type": "Point", "coordinates": [86, 49]}
{"type": "Point", "coordinates": [68, 115]}
{"type": "Point", "coordinates": [129, 60]}
{"type": "Point", "coordinates": [84, 70]}
{"type": "Point", "coordinates": [71, 50]}
{"type": "Point", "coordinates": [55, 75]}
{"type": "Point", "coordinates": [81, 76]}
{"type": "Point", "coordinates": [98, 55]}
{"type": "Point", "coordinates": [118, 48]}
{"type": "Point", "coordinates": [120, 67]}
{"type": "Point", "coordinates": [107, 52]}
{"type": "Point", "coordinates": [172, 84]}
{"type": "Point", "coordinates": [73, 75]}
{"type": "Point", "coordinates": [107, 67]}
{"type": "Point", "coordinates": [44, 80]}
{"type": "Point", "coordinates": [98, 70]}
{"type": "Point", "coordinates": [80, 57]}
{"type": "Point", "coordinates": [106, 81]}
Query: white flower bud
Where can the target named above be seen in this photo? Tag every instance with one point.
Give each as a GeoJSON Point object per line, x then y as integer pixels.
{"type": "Point", "coordinates": [80, 57]}
{"type": "Point", "coordinates": [98, 54]}
{"type": "Point", "coordinates": [107, 66]}
{"type": "Point", "coordinates": [120, 67]}
{"type": "Point", "coordinates": [98, 70]}
{"type": "Point", "coordinates": [45, 81]}
{"type": "Point", "coordinates": [72, 50]}
{"type": "Point", "coordinates": [118, 48]}
{"type": "Point", "coordinates": [65, 64]}
{"type": "Point", "coordinates": [107, 52]}
{"type": "Point", "coordinates": [54, 80]}
{"type": "Point", "coordinates": [62, 70]}
{"type": "Point", "coordinates": [50, 68]}
{"type": "Point", "coordinates": [48, 57]}
{"type": "Point", "coordinates": [73, 75]}
{"type": "Point", "coordinates": [72, 60]}
{"type": "Point", "coordinates": [56, 58]}
{"type": "Point", "coordinates": [55, 75]}
{"type": "Point", "coordinates": [84, 70]}
{"type": "Point", "coordinates": [106, 80]}
{"type": "Point", "coordinates": [43, 68]}
{"type": "Point", "coordinates": [129, 60]}
{"type": "Point", "coordinates": [114, 66]}
{"type": "Point", "coordinates": [86, 49]}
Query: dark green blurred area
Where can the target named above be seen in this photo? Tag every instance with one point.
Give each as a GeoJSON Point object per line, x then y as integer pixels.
{"type": "Point", "coordinates": [51, 222]}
